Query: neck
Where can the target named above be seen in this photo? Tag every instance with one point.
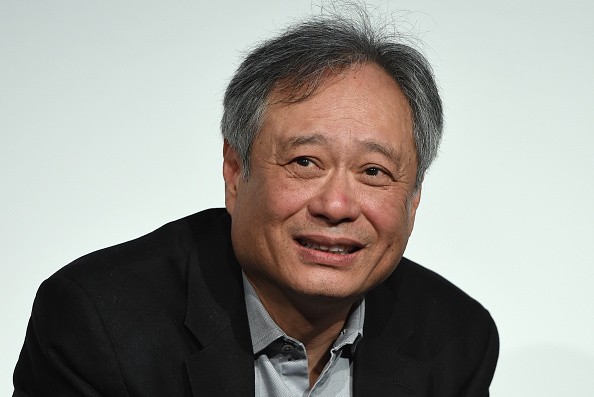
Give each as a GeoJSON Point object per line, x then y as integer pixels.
{"type": "Point", "coordinates": [314, 321]}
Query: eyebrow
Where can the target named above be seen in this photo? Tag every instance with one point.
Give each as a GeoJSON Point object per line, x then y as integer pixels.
{"type": "Point", "coordinates": [387, 152]}
{"type": "Point", "coordinates": [368, 144]}
{"type": "Point", "coordinates": [317, 139]}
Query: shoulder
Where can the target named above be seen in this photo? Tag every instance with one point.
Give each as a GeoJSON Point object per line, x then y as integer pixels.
{"type": "Point", "coordinates": [127, 284]}
{"type": "Point", "coordinates": [161, 253]}
{"type": "Point", "coordinates": [419, 318]}
{"type": "Point", "coordinates": [431, 315]}
{"type": "Point", "coordinates": [430, 296]}
{"type": "Point", "coordinates": [107, 317]}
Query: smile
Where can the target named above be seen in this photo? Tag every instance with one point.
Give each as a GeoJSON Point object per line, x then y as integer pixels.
{"type": "Point", "coordinates": [334, 249]}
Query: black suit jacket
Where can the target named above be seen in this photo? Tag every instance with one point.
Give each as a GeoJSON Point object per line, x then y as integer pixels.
{"type": "Point", "coordinates": [164, 315]}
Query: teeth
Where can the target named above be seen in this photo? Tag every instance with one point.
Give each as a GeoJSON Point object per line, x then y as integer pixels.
{"type": "Point", "coordinates": [335, 249]}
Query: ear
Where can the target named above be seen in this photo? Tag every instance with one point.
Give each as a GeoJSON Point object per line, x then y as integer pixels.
{"type": "Point", "coordinates": [232, 174]}
{"type": "Point", "coordinates": [413, 204]}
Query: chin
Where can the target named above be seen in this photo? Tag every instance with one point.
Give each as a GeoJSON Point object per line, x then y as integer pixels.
{"type": "Point", "coordinates": [335, 288]}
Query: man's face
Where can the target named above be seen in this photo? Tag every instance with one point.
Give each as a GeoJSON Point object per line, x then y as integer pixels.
{"type": "Point", "coordinates": [330, 200]}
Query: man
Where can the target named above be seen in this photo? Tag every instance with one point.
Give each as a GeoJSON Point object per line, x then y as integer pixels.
{"type": "Point", "coordinates": [299, 287]}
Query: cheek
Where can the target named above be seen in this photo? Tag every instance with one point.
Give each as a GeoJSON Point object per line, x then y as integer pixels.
{"type": "Point", "coordinates": [389, 214]}
{"type": "Point", "coordinates": [287, 196]}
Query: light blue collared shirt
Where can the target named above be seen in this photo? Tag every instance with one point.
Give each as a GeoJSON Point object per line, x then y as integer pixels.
{"type": "Point", "coordinates": [280, 362]}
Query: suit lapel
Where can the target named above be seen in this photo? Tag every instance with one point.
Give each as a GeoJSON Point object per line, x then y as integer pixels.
{"type": "Point", "coordinates": [379, 367]}
{"type": "Point", "coordinates": [216, 316]}
{"type": "Point", "coordinates": [221, 369]}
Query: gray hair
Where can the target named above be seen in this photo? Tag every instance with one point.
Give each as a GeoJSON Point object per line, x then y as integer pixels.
{"type": "Point", "coordinates": [298, 61]}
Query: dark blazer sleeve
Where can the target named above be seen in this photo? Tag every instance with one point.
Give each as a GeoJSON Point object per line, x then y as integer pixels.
{"type": "Point", "coordinates": [478, 385]}
{"type": "Point", "coordinates": [67, 351]}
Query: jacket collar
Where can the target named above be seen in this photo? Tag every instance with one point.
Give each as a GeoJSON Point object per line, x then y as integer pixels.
{"type": "Point", "coordinates": [223, 364]}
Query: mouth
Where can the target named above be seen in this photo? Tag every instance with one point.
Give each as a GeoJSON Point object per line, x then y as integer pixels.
{"type": "Point", "coordinates": [340, 249]}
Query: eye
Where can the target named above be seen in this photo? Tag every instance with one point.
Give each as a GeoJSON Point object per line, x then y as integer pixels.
{"type": "Point", "coordinates": [304, 167]}
{"type": "Point", "coordinates": [303, 161]}
{"type": "Point", "coordinates": [373, 171]}
{"type": "Point", "coordinates": [376, 176]}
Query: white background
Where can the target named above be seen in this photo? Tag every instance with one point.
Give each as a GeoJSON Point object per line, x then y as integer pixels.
{"type": "Point", "coordinates": [109, 115]}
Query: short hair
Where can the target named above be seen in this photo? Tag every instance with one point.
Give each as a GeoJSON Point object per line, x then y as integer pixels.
{"type": "Point", "coordinates": [303, 56]}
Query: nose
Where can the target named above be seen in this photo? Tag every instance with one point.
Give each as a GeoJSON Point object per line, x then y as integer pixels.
{"type": "Point", "coordinates": [336, 200]}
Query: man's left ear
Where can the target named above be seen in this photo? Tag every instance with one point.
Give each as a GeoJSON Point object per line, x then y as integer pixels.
{"type": "Point", "coordinates": [415, 200]}
{"type": "Point", "coordinates": [232, 171]}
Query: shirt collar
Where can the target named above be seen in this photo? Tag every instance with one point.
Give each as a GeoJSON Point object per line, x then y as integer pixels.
{"type": "Point", "coordinates": [264, 330]}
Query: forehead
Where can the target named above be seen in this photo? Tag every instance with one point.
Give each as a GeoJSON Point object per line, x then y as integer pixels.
{"type": "Point", "coordinates": [362, 100]}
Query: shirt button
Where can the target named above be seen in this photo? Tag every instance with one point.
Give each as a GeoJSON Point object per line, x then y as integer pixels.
{"type": "Point", "coordinates": [287, 347]}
